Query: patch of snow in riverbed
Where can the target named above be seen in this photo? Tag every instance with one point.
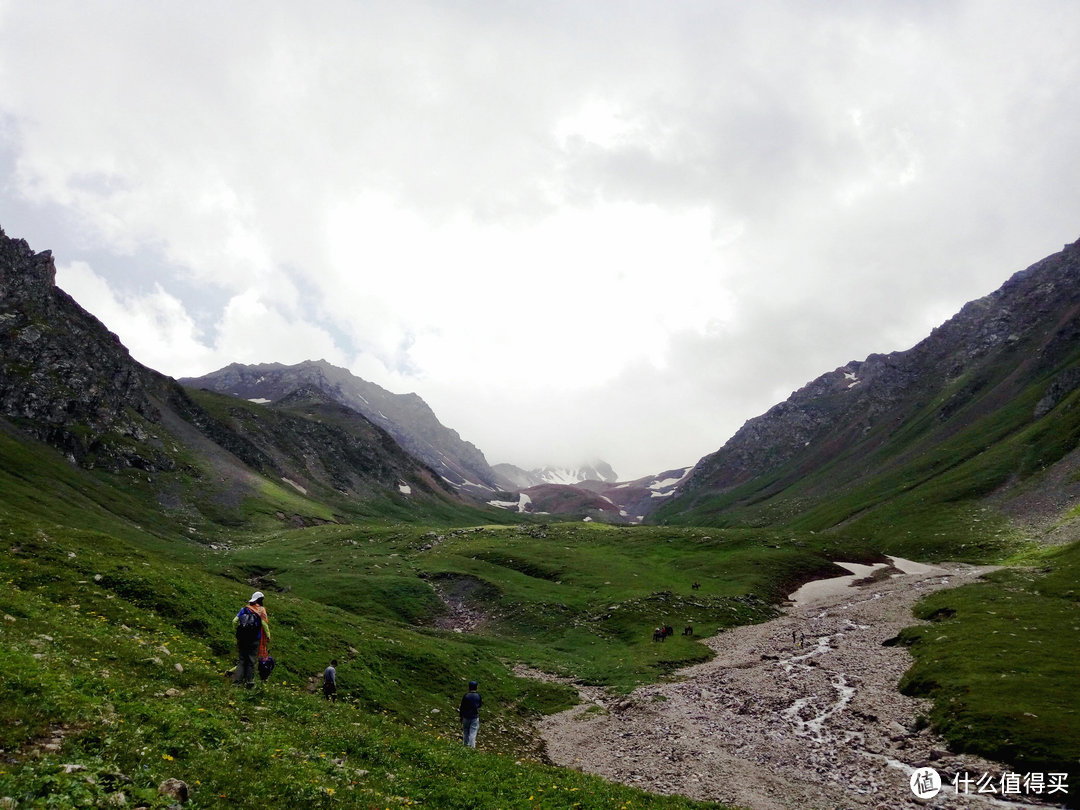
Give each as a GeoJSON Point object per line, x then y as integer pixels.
{"type": "Point", "coordinates": [821, 589]}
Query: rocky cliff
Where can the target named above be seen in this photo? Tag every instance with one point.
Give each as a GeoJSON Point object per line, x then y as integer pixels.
{"type": "Point", "coordinates": [1023, 338]}
{"type": "Point", "coordinates": [67, 380]}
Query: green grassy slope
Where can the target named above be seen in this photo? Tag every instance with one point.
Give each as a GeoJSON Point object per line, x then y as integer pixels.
{"type": "Point", "coordinates": [104, 572]}
{"type": "Point", "coordinates": [581, 599]}
{"type": "Point", "coordinates": [935, 495]}
{"type": "Point", "coordinates": [115, 629]}
{"type": "Point", "coordinates": [1002, 663]}
{"type": "Point", "coordinates": [128, 697]}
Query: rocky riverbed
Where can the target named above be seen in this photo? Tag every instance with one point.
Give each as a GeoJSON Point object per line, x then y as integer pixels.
{"type": "Point", "coordinates": [798, 712]}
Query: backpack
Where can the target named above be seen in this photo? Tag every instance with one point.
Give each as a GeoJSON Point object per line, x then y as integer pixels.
{"type": "Point", "coordinates": [266, 666]}
{"type": "Point", "coordinates": [248, 627]}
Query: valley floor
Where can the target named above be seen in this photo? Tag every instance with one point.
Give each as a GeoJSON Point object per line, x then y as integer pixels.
{"type": "Point", "coordinates": [774, 724]}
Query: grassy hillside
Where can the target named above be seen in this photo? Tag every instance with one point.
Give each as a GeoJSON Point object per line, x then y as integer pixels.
{"type": "Point", "coordinates": [108, 685]}
{"type": "Point", "coordinates": [929, 504]}
{"type": "Point", "coordinates": [116, 629]}
{"type": "Point", "coordinates": [1001, 662]}
{"type": "Point", "coordinates": [580, 599]}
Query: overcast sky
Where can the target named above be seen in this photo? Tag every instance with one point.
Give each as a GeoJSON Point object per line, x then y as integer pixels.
{"type": "Point", "coordinates": [577, 229]}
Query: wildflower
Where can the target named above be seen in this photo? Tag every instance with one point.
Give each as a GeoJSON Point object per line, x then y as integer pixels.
{"type": "Point", "coordinates": [167, 757]}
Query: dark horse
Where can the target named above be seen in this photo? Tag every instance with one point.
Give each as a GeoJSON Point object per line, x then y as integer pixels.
{"type": "Point", "coordinates": [688, 630]}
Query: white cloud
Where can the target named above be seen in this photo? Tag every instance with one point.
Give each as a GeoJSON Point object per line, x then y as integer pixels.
{"type": "Point", "coordinates": [160, 333]}
{"type": "Point", "coordinates": [252, 331]}
{"type": "Point", "coordinates": [154, 326]}
{"type": "Point", "coordinates": [611, 214]}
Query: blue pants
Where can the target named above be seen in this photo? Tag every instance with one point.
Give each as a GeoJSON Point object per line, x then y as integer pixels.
{"type": "Point", "coordinates": [469, 725]}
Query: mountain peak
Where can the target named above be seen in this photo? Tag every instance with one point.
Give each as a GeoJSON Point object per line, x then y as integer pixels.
{"type": "Point", "coordinates": [406, 417]}
{"type": "Point", "coordinates": [25, 274]}
{"type": "Point", "coordinates": [513, 477]}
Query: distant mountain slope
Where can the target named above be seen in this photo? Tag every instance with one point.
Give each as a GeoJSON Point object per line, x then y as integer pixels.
{"type": "Point", "coordinates": [512, 477]}
{"type": "Point", "coordinates": [406, 417]}
{"type": "Point", "coordinates": [69, 382]}
{"type": "Point", "coordinates": [641, 497]}
{"type": "Point", "coordinates": [562, 501]}
{"type": "Point", "coordinates": [610, 501]}
{"type": "Point", "coordinates": [986, 402]}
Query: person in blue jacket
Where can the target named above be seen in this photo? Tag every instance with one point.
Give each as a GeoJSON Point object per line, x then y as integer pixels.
{"type": "Point", "coordinates": [469, 712]}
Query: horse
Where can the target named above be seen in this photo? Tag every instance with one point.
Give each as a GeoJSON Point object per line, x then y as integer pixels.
{"type": "Point", "coordinates": [661, 633]}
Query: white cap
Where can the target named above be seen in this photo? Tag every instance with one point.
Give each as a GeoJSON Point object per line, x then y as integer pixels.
{"type": "Point", "coordinates": [255, 597]}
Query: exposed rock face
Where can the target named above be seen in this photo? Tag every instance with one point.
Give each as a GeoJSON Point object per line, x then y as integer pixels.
{"type": "Point", "coordinates": [68, 381]}
{"type": "Point", "coordinates": [1026, 333]}
{"type": "Point", "coordinates": [64, 377]}
{"type": "Point", "coordinates": [332, 443]}
{"type": "Point", "coordinates": [406, 417]}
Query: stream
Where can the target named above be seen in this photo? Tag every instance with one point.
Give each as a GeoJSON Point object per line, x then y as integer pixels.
{"type": "Point", "coordinates": [798, 712]}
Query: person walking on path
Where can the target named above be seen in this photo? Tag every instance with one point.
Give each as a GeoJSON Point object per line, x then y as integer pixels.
{"type": "Point", "coordinates": [329, 682]}
{"type": "Point", "coordinates": [252, 639]}
{"type": "Point", "coordinates": [469, 712]}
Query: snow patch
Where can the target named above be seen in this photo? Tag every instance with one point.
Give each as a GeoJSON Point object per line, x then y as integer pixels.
{"type": "Point", "coordinates": [298, 488]}
{"type": "Point", "coordinates": [520, 504]}
{"type": "Point", "coordinates": [404, 489]}
{"type": "Point", "coordinates": [259, 401]}
{"type": "Point", "coordinates": [667, 482]}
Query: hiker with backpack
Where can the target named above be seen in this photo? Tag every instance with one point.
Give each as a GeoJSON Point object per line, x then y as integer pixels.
{"type": "Point", "coordinates": [252, 640]}
{"type": "Point", "coordinates": [329, 682]}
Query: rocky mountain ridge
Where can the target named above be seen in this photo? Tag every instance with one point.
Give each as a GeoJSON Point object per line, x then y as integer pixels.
{"type": "Point", "coordinates": [591, 499]}
{"type": "Point", "coordinates": [979, 363]}
{"type": "Point", "coordinates": [406, 417]}
{"type": "Point", "coordinates": [67, 381]}
{"type": "Point", "coordinates": [65, 378]}
{"type": "Point", "coordinates": [512, 477]}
